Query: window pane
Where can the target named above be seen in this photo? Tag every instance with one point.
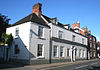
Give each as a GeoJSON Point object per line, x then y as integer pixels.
{"type": "Point", "coordinates": [55, 51]}
{"type": "Point", "coordinates": [17, 31]}
{"type": "Point", "coordinates": [67, 51]}
{"type": "Point", "coordinates": [80, 53]}
{"type": "Point", "coordinates": [16, 49]}
{"type": "Point", "coordinates": [61, 52]}
{"type": "Point", "coordinates": [40, 46]}
{"type": "Point", "coordinates": [60, 34]}
{"type": "Point", "coordinates": [40, 31]}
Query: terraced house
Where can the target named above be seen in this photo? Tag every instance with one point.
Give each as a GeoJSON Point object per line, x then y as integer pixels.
{"type": "Point", "coordinates": [40, 39]}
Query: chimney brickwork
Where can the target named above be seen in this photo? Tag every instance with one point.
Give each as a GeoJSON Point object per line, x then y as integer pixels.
{"type": "Point", "coordinates": [37, 9]}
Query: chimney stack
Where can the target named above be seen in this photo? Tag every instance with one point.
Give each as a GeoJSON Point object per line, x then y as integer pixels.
{"type": "Point", "coordinates": [37, 9]}
{"type": "Point", "coordinates": [77, 25]}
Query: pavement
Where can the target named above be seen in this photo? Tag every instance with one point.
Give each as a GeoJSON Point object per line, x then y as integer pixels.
{"type": "Point", "coordinates": [53, 66]}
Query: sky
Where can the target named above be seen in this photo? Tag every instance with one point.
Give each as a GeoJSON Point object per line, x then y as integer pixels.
{"type": "Point", "coordinates": [87, 12]}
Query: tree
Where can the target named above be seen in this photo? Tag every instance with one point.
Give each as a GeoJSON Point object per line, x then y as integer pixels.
{"type": "Point", "coordinates": [7, 39]}
{"type": "Point", "coordinates": [4, 20]}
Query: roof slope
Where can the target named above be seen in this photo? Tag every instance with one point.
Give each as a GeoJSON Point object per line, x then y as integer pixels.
{"type": "Point", "coordinates": [33, 18]}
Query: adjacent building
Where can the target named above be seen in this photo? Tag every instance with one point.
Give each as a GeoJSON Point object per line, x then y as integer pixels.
{"type": "Point", "coordinates": [91, 39]}
{"type": "Point", "coordinates": [40, 39]}
{"type": "Point", "coordinates": [98, 49]}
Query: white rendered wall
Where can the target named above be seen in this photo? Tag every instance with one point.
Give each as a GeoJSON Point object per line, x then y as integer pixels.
{"type": "Point", "coordinates": [67, 35]}
{"type": "Point", "coordinates": [22, 40]}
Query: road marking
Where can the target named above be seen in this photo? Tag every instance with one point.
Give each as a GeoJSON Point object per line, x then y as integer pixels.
{"type": "Point", "coordinates": [81, 67]}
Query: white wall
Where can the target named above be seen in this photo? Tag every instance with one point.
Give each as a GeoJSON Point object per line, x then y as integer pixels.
{"type": "Point", "coordinates": [22, 40]}
{"type": "Point", "coordinates": [67, 35]}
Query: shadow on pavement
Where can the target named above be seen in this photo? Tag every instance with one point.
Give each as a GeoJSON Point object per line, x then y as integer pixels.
{"type": "Point", "coordinates": [11, 65]}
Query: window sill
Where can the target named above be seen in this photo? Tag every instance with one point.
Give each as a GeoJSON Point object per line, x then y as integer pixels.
{"type": "Point", "coordinates": [41, 38]}
{"type": "Point", "coordinates": [16, 37]}
{"type": "Point", "coordinates": [40, 57]}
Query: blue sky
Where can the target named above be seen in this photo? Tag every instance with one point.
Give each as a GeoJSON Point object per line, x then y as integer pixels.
{"type": "Point", "coordinates": [87, 12]}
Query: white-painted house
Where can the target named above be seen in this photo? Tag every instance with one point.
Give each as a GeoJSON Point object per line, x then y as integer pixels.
{"type": "Point", "coordinates": [40, 39]}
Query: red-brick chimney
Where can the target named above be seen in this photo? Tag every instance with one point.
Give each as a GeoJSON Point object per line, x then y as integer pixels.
{"type": "Point", "coordinates": [76, 25]}
{"type": "Point", "coordinates": [85, 29]}
{"type": "Point", "coordinates": [37, 9]}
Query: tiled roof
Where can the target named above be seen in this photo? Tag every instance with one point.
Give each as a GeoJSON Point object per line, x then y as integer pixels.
{"type": "Point", "coordinates": [33, 18]}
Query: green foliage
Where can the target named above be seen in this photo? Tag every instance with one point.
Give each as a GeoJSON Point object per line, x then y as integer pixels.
{"type": "Point", "coordinates": [4, 20]}
{"type": "Point", "coordinates": [7, 39]}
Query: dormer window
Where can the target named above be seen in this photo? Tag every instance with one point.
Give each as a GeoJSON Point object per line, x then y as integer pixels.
{"type": "Point", "coordinates": [54, 20]}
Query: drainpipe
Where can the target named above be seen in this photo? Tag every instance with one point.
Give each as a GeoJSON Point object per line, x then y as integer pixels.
{"type": "Point", "coordinates": [50, 47]}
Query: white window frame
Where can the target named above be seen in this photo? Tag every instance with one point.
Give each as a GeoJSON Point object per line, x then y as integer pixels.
{"type": "Point", "coordinates": [39, 30]}
{"type": "Point", "coordinates": [67, 52]}
{"type": "Point", "coordinates": [60, 34]}
{"type": "Point", "coordinates": [16, 31]}
{"type": "Point", "coordinates": [60, 51]}
{"type": "Point", "coordinates": [54, 51]}
{"type": "Point", "coordinates": [42, 51]}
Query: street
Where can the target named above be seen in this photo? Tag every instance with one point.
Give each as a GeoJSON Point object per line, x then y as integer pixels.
{"type": "Point", "coordinates": [92, 65]}
{"type": "Point", "coordinates": [88, 65]}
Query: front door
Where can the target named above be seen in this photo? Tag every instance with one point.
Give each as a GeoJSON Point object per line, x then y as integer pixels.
{"type": "Point", "coordinates": [73, 54]}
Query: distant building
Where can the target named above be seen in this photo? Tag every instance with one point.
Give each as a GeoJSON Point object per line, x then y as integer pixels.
{"type": "Point", "coordinates": [91, 39]}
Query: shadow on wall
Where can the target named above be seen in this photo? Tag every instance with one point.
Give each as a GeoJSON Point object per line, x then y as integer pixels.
{"type": "Point", "coordinates": [23, 48]}
{"type": "Point", "coordinates": [16, 61]}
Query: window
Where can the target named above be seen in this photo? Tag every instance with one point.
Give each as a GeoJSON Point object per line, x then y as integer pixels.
{"type": "Point", "coordinates": [61, 52]}
{"type": "Point", "coordinates": [79, 52]}
{"type": "Point", "coordinates": [82, 41]}
{"type": "Point", "coordinates": [55, 51]}
{"type": "Point", "coordinates": [60, 34]}
{"type": "Point", "coordinates": [93, 39]}
{"type": "Point", "coordinates": [17, 31]}
{"type": "Point", "coordinates": [40, 31]}
{"type": "Point", "coordinates": [68, 52]}
{"type": "Point", "coordinates": [90, 44]}
{"type": "Point", "coordinates": [76, 52]}
{"type": "Point", "coordinates": [90, 38]}
{"type": "Point", "coordinates": [16, 49]}
{"type": "Point", "coordinates": [94, 54]}
{"type": "Point", "coordinates": [94, 45]}
{"type": "Point", "coordinates": [40, 50]}
{"type": "Point", "coordinates": [83, 53]}
{"type": "Point", "coordinates": [73, 38]}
